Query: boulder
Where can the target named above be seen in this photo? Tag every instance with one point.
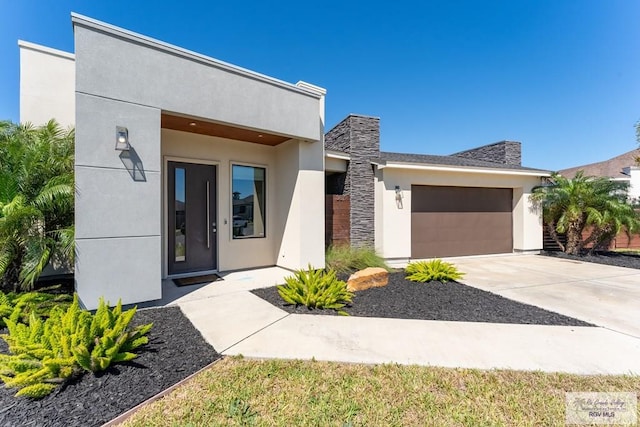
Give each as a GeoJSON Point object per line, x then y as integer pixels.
{"type": "Point", "coordinates": [370, 277]}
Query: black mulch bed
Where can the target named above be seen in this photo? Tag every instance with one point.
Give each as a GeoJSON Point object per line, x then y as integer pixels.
{"type": "Point", "coordinates": [617, 259]}
{"type": "Point", "coordinates": [452, 301]}
{"type": "Point", "coordinates": [175, 350]}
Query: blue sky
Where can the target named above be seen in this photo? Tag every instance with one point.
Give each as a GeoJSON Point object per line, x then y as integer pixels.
{"type": "Point", "coordinates": [561, 76]}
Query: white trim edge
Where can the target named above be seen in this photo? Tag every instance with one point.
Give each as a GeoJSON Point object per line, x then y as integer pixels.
{"type": "Point", "coordinates": [45, 49]}
{"type": "Point", "coordinates": [336, 155]}
{"type": "Point", "coordinates": [85, 21]}
{"type": "Point", "coordinates": [468, 169]}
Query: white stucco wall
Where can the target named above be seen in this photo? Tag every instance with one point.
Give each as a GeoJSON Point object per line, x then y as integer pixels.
{"type": "Point", "coordinates": [301, 207]}
{"type": "Point", "coordinates": [634, 182]}
{"type": "Point", "coordinates": [393, 219]}
{"type": "Point", "coordinates": [47, 85]}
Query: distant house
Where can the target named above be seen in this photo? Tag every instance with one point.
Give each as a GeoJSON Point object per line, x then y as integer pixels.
{"type": "Point", "coordinates": [623, 168]}
{"type": "Point", "coordinates": [620, 168]}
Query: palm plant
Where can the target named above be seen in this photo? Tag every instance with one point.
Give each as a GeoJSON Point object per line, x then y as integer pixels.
{"type": "Point", "coordinates": [609, 221]}
{"type": "Point", "coordinates": [570, 205]}
{"type": "Point", "coordinates": [36, 200]}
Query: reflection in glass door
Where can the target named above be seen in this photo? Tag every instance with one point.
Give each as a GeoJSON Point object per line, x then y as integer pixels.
{"type": "Point", "coordinates": [180, 216]}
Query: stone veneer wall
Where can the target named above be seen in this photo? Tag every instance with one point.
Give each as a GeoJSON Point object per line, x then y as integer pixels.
{"type": "Point", "coordinates": [505, 152]}
{"type": "Point", "coordinates": [358, 136]}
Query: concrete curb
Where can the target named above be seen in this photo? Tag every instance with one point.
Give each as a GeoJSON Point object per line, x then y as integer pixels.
{"type": "Point", "coordinates": [126, 415]}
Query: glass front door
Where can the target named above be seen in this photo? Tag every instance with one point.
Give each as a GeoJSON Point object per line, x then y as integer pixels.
{"type": "Point", "coordinates": [192, 217]}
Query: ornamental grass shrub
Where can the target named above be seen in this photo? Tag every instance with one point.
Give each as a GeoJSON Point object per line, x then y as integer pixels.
{"type": "Point", "coordinates": [345, 259]}
{"type": "Point", "coordinates": [316, 289]}
{"type": "Point", "coordinates": [47, 352]}
{"type": "Point", "coordinates": [19, 306]}
{"type": "Point", "coordinates": [433, 270]}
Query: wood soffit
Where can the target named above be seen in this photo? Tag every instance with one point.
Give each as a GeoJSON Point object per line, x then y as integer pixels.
{"type": "Point", "coordinates": [187, 124]}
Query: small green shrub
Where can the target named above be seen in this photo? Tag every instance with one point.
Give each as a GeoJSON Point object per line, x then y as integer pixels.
{"type": "Point", "coordinates": [436, 269]}
{"type": "Point", "coordinates": [345, 259]}
{"type": "Point", "coordinates": [19, 306]}
{"type": "Point", "coordinates": [316, 289]}
{"type": "Point", "coordinates": [48, 352]}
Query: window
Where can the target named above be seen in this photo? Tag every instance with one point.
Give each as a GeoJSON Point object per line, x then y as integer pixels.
{"type": "Point", "coordinates": [248, 197]}
{"type": "Point", "coordinates": [180, 241]}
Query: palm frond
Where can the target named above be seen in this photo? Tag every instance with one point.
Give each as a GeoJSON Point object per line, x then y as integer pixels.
{"type": "Point", "coordinates": [66, 242]}
{"type": "Point", "coordinates": [7, 254]}
{"type": "Point", "coordinates": [35, 258]}
{"type": "Point", "coordinates": [56, 193]}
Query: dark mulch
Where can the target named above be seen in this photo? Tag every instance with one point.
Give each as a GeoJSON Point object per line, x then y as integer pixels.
{"type": "Point", "coordinates": [617, 259]}
{"type": "Point", "coordinates": [402, 299]}
{"type": "Point", "coordinates": [175, 351]}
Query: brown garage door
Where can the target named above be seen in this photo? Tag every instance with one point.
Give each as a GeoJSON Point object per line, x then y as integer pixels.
{"type": "Point", "coordinates": [455, 221]}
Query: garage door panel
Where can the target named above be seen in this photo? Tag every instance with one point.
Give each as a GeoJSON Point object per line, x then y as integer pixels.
{"type": "Point", "coordinates": [479, 224]}
{"type": "Point", "coordinates": [457, 221]}
{"type": "Point", "coordinates": [461, 248]}
{"type": "Point", "coordinates": [460, 199]}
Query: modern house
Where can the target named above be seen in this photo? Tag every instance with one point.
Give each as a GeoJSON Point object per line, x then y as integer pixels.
{"type": "Point", "coordinates": [164, 136]}
{"type": "Point", "coordinates": [185, 165]}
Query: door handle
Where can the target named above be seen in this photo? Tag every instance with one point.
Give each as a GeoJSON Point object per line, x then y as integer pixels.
{"type": "Point", "coordinates": [208, 217]}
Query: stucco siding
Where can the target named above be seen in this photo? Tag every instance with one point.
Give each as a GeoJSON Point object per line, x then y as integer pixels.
{"type": "Point", "coordinates": [117, 206]}
{"type": "Point", "coordinates": [118, 268]}
{"type": "Point", "coordinates": [300, 205]}
{"type": "Point", "coordinates": [122, 69]}
{"type": "Point", "coordinates": [47, 85]}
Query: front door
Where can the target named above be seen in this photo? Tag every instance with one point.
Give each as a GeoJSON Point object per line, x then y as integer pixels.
{"type": "Point", "coordinates": [192, 217]}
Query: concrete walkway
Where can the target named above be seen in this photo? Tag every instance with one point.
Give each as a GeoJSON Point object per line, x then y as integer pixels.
{"type": "Point", "coordinates": [234, 321]}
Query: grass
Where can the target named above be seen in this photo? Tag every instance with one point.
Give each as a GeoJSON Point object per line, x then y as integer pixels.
{"type": "Point", "coordinates": [236, 391]}
{"type": "Point", "coordinates": [345, 259]}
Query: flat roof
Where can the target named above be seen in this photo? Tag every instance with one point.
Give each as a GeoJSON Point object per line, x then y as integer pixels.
{"type": "Point", "coordinates": [302, 87]}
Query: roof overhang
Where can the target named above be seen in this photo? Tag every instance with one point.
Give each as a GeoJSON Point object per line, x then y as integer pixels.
{"type": "Point", "coordinates": [201, 126]}
{"type": "Point", "coordinates": [335, 162]}
{"type": "Point", "coordinates": [336, 155]}
{"type": "Point", "coordinates": [461, 169]}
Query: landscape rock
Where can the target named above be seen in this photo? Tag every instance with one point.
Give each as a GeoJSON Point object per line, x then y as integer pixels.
{"type": "Point", "coordinates": [371, 277]}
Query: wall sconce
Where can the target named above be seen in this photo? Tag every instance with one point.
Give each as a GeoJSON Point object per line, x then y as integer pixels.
{"type": "Point", "coordinates": [122, 139]}
{"type": "Point", "coordinates": [398, 197]}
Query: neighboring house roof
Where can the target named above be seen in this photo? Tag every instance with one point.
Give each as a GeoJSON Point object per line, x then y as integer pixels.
{"type": "Point", "coordinates": [449, 161]}
{"type": "Point", "coordinates": [612, 168]}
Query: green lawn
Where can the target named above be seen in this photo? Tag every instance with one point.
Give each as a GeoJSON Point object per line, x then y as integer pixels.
{"type": "Point", "coordinates": [238, 391]}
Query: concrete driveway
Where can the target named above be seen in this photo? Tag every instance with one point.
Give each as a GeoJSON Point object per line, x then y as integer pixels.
{"type": "Point", "coordinates": [603, 295]}
{"type": "Point", "coordinates": [235, 321]}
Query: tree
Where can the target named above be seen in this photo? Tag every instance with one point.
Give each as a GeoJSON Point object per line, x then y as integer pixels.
{"type": "Point", "coordinates": [571, 205]}
{"type": "Point", "coordinates": [607, 222]}
{"type": "Point", "coordinates": [36, 200]}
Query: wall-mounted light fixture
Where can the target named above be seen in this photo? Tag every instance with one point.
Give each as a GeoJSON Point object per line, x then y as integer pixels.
{"type": "Point", "coordinates": [398, 197]}
{"type": "Point", "coordinates": [122, 139]}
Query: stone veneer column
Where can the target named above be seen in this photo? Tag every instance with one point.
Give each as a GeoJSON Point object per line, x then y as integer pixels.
{"type": "Point", "coordinates": [359, 136]}
{"type": "Point", "coordinates": [504, 152]}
